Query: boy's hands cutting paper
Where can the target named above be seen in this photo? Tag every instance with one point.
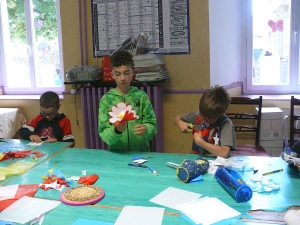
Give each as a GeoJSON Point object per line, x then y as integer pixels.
{"type": "Point", "coordinates": [122, 112]}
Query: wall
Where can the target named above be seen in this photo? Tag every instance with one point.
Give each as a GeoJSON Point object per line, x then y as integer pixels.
{"type": "Point", "coordinates": [227, 32]}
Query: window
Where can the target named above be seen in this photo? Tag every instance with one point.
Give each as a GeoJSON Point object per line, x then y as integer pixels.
{"type": "Point", "coordinates": [30, 48]}
{"type": "Point", "coordinates": [273, 46]}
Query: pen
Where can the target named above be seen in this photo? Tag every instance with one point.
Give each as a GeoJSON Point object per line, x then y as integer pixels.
{"type": "Point", "coordinates": [274, 171]}
{"type": "Point", "coordinates": [137, 165]}
{"type": "Point", "coordinates": [153, 171]}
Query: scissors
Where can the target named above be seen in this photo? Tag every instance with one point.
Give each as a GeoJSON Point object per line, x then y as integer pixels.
{"type": "Point", "coordinates": [136, 157]}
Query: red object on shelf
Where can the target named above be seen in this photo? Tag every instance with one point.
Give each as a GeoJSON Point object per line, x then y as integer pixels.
{"type": "Point", "coordinates": [106, 71]}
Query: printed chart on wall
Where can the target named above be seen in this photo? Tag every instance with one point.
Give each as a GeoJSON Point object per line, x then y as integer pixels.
{"type": "Point", "coordinates": [166, 22]}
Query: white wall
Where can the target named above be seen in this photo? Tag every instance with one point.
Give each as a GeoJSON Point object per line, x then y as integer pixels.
{"type": "Point", "coordinates": [227, 32]}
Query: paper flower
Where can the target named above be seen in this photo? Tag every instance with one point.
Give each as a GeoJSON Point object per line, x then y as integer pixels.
{"type": "Point", "coordinates": [122, 112]}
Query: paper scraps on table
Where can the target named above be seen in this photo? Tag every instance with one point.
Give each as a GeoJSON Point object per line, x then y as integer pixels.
{"type": "Point", "coordinates": [8, 192]}
{"type": "Point", "coordinates": [88, 180]}
{"type": "Point", "coordinates": [171, 197]}
{"type": "Point", "coordinates": [56, 180]}
{"type": "Point", "coordinates": [122, 112]}
{"type": "Point", "coordinates": [19, 154]}
{"type": "Point", "coordinates": [140, 215]}
{"type": "Point", "coordinates": [83, 221]}
{"type": "Point", "coordinates": [35, 143]}
{"type": "Point", "coordinates": [38, 220]}
{"type": "Point", "coordinates": [27, 209]}
{"type": "Point", "coordinates": [83, 172]}
{"type": "Point", "coordinates": [140, 161]}
{"type": "Point", "coordinates": [263, 185]}
{"type": "Point", "coordinates": [14, 169]}
{"type": "Point", "coordinates": [23, 190]}
{"type": "Point", "coordinates": [201, 211]}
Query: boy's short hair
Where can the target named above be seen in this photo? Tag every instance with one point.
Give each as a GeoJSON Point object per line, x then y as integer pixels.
{"type": "Point", "coordinates": [214, 102]}
{"type": "Point", "coordinates": [49, 100]}
{"type": "Point", "coordinates": [122, 58]}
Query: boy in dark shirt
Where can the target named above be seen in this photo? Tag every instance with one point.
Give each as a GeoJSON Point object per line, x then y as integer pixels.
{"type": "Point", "coordinates": [49, 125]}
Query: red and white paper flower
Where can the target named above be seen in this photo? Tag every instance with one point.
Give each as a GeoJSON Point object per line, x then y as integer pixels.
{"type": "Point", "coordinates": [122, 112]}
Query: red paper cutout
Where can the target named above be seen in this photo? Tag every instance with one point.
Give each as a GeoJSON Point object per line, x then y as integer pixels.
{"type": "Point", "coordinates": [128, 116]}
{"type": "Point", "coordinates": [23, 190]}
{"type": "Point", "coordinates": [88, 180]}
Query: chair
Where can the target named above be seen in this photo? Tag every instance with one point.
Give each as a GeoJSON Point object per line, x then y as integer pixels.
{"type": "Point", "coordinates": [293, 119]}
{"type": "Point", "coordinates": [242, 124]}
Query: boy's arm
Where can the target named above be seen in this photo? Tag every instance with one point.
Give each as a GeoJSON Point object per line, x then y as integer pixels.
{"type": "Point", "coordinates": [222, 151]}
{"type": "Point", "coordinates": [28, 129]}
{"type": "Point", "coordinates": [106, 130]}
{"type": "Point", "coordinates": [183, 126]}
{"type": "Point", "coordinates": [67, 131]}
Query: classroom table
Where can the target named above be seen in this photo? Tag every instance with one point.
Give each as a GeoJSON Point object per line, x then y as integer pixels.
{"type": "Point", "coordinates": [126, 185]}
{"type": "Point", "coordinates": [11, 120]}
{"type": "Point", "coordinates": [49, 149]}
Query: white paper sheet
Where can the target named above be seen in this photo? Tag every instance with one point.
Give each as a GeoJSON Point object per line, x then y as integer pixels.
{"type": "Point", "coordinates": [26, 209]}
{"type": "Point", "coordinates": [208, 211]}
{"type": "Point", "coordinates": [35, 143]}
{"type": "Point", "coordinates": [137, 215]}
{"type": "Point", "coordinates": [8, 192]}
{"type": "Point", "coordinates": [171, 197]}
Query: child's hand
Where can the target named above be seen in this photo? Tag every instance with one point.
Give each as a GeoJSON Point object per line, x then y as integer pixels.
{"type": "Point", "coordinates": [35, 138]}
{"type": "Point", "coordinates": [121, 127]}
{"type": "Point", "coordinates": [298, 165]}
{"type": "Point", "coordinates": [51, 140]}
{"type": "Point", "coordinates": [184, 127]}
{"type": "Point", "coordinates": [139, 129]}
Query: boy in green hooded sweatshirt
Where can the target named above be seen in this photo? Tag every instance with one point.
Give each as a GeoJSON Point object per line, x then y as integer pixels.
{"type": "Point", "coordinates": [133, 135]}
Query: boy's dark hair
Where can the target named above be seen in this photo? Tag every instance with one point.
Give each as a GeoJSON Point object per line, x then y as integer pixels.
{"type": "Point", "coordinates": [214, 102]}
{"type": "Point", "coordinates": [49, 100]}
{"type": "Point", "coordinates": [122, 58]}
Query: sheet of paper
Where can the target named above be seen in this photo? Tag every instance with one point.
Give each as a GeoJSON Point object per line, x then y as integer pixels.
{"type": "Point", "coordinates": [8, 192]}
{"type": "Point", "coordinates": [137, 215]}
{"type": "Point", "coordinates": [208, 211]}
{"type": "Point", "coordinates": [34, 143]}
{"type": "Point", "coordinates": [82, 221]}
{"type": "Point", "coordinates": [26, 209]}
{"type": "Point", "coordinates": [171, 197]}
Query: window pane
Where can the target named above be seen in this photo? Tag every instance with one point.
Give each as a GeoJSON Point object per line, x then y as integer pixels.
{"type": "Point", "coordinates": [17, 60]}
{"type": "Point", "coordinates": [271, 42]}
{"type": "Point", "coordinates": [46, 44]}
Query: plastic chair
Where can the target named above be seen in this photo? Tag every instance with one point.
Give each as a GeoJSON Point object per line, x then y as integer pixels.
{"type": "Point", "coordinates": [241, 125]}
{"type": "Point", "coordinates": [293, 119]}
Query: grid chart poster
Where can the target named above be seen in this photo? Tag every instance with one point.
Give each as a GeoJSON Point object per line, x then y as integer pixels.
{"type": "Point", "coordinates": [166, 22]}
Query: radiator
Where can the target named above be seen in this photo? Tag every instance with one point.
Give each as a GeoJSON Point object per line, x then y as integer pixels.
{"type": "Point", "coordinates": [90, 98]}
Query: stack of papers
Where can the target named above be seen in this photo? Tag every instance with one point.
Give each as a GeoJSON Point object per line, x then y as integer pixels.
{"type": "Point", "coordinates": [207, 211]}
{"type": "Point", "coordinates": [150, 67]}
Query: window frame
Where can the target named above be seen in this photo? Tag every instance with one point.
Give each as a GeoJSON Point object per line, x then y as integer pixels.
{"type": "Point", "coordinates": [33, 90]}
{"type": "Point", "coordinates": [294, 57]}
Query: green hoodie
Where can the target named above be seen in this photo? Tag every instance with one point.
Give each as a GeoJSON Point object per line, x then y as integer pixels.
{"type": "Point", "coordinates": [127, 141]}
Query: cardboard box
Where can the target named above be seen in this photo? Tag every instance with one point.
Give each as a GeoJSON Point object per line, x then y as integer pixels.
{"type": "Point", "coordinates": [270, 113]}
{"type": "Point", "coordinates": [275, 152]}
{"type": "Point", "coordinates": [270, 134]}
{"type": "Point", "coordinates": [271, 124]}
{"type": "Point", "coordinates": [272, 143]}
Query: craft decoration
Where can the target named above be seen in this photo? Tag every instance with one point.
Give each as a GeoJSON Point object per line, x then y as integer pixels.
{"type": "Point", "coordinates": [82, 195]}
{"type": "Point", "coordinates": [234, 184]}
{"type": "Point", "coordinates": [189, 170]}
{"type": "Point", "coordinates": [19, 154]}
{"type": "Point", "coordinates": [122, 112]}
{"type": "Point", "coordinates": [88, 180]}
{"type": "Point", "coordinates": [278, 25]}
{"type": "Point", "coordinates": [55, 179]}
